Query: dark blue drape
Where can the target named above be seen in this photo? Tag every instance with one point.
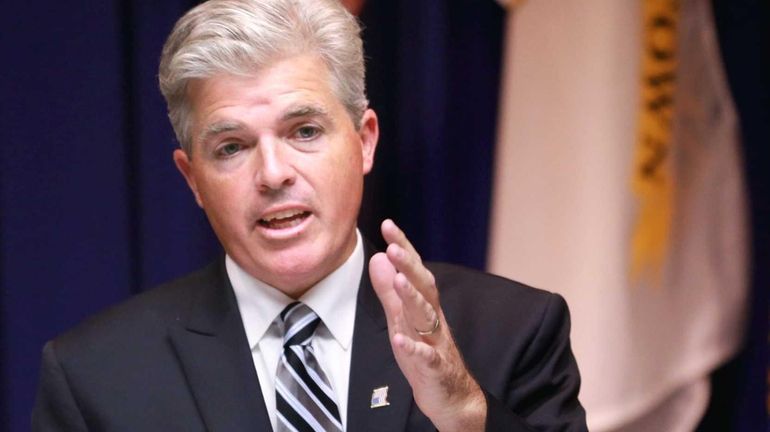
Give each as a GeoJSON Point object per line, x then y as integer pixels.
{"type": "Point", "coordinates": [433, 71]}
{"type": "Point", "coordinates": [64, 212]}
{"type": "Point", "coordinates": [170, 234]}
{"type": "Point", "coordinates": [92, 209]}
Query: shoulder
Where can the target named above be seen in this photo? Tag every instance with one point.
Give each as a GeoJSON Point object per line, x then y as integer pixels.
{"type": "Point", "coordinates": [497, 318]}
{"type": "Point", "coordinates": [469, 290]}
{"type": "Point", "coordinates": [121, 363]}
{"type": "Point", "coordinates": [139, 319]}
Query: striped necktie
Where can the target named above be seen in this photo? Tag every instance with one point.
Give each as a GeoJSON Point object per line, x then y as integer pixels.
{"type": "Point", "coordinates": [304, 398]}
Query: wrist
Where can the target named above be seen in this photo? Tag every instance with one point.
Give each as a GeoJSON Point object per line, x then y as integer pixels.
{"type": "Point", "coordinates": [468, 415]}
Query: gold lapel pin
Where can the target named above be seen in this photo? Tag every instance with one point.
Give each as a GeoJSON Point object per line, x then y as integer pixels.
{"type": "Point", "coordinates": [379, 397]}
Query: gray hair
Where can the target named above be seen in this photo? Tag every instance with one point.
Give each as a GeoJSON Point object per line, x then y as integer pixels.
{"type": "Point", "coordinates": [241, 36]}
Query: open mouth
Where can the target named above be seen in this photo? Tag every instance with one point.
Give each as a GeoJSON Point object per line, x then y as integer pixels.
{"type": "Point", "coordinates": [284, 219]}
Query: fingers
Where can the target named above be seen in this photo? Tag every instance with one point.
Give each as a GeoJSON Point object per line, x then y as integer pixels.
{"type": "Point", "coordinates": [420, 314]}
{"type": "Point", "coordinates": [407, 261]}
{"type": "Point", "coordinates": [405, 308]}
{"type": "Point", "coordinates": [411, 348]}
{"type": "Point", "coordinates": [393, 234]}
{"type": "Point", "coordinates": [414, 284]}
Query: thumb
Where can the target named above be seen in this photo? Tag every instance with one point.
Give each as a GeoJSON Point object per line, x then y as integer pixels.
{"type": "Point", "coordinates": [382, 272]}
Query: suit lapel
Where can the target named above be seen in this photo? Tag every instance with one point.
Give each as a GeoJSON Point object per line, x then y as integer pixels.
{"type": "Point", "coordinates": [373, 365]}
{"type": "Point", "coordinates": [213, 350]}
{"type": "Point", "coordinates": [212, 347]}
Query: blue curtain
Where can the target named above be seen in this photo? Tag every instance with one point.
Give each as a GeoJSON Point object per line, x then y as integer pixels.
{"type": "Point", "coordinates": [433, 73]}
{"type": "Point", "coordinates": [92, 209]}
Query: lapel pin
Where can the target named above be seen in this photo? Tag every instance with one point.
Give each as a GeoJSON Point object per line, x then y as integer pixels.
{"type": "Point", "coordinates": [379, 397]}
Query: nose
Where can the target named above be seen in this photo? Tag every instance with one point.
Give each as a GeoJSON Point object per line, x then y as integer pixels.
{"type": "Point", "coordinates": [275, 170]}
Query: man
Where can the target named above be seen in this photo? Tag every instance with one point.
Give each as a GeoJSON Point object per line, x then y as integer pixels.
{"type": "Point", "coordinates": [301, 326]}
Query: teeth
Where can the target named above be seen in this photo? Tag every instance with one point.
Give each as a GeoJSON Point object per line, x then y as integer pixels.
{"type": "Point", "coordinates": [282, 215]}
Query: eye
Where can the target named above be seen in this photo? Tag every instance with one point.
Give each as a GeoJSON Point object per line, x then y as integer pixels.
{"type": "Point", "coordinates": [228, 149]}
{"type": "Point", "coordinates": [306, 132]}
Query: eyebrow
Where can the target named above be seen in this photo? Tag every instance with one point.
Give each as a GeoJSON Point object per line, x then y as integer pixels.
{"type": "Point", "coordinates": [218, 128]}
{"type": "Point", "coordinates": [305, 111]}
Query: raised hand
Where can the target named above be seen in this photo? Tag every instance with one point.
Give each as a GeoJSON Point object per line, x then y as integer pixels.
{"type": "Point", "coordinates": [422, 343]}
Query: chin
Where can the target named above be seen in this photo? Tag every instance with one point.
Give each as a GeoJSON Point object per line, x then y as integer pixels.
{"type": "Point", "coordinates": [293, 268]}
{"type": "Point", "coordinates": [295, 272]}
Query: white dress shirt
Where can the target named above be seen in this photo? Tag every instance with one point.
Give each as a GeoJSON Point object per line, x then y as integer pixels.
{"type": "Point", "coordinates": [333, 299]}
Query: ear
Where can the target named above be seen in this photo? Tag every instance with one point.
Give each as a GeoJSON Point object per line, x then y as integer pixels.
{"type": "Point", "coordinates": [369, 134]}
{"type": "Point", "coordinates": [184, 165]}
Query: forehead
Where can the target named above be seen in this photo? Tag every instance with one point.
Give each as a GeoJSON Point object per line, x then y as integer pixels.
{"type": "Point", "coordinates": [297, 84]}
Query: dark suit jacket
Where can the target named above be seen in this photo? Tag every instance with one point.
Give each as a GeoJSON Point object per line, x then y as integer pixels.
{"type": "Point", "coordinates": [176, 358]}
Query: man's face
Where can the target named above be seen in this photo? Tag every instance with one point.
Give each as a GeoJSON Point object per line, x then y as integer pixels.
{"type": "Point", "coordinates": [278, 166]}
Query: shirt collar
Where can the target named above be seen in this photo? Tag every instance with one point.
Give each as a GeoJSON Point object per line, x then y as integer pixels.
{"type": "Point", "coordinates": [333, 298]}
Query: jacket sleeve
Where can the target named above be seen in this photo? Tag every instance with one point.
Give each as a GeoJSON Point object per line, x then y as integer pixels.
{"type": "Point", "coordinates": [543, 393]}
{"type": "Point", "coordinates": [55, 407]}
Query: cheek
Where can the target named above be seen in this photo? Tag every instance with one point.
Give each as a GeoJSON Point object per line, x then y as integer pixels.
{"type": "Point", "coordinates": [345, 169]}
{"type": "Point", "coordinates": [223, 198]}
{"type": "Point", "coordinates": [347, 178]}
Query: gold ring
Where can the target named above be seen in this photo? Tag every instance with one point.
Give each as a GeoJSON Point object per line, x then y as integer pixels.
{"type": "Point", "coordinates": [431, 331]}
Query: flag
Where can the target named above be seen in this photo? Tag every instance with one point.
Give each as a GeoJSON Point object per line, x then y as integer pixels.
{"type": "Point", "coordinates": [568, 215]}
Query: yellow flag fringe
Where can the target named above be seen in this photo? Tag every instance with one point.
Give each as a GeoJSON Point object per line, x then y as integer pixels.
{"type": "Point", "coordinates": [653, 179]}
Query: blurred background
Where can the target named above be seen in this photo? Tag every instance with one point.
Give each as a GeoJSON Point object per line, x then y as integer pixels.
{"type": "Point", "coordinates": [512, 136]}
